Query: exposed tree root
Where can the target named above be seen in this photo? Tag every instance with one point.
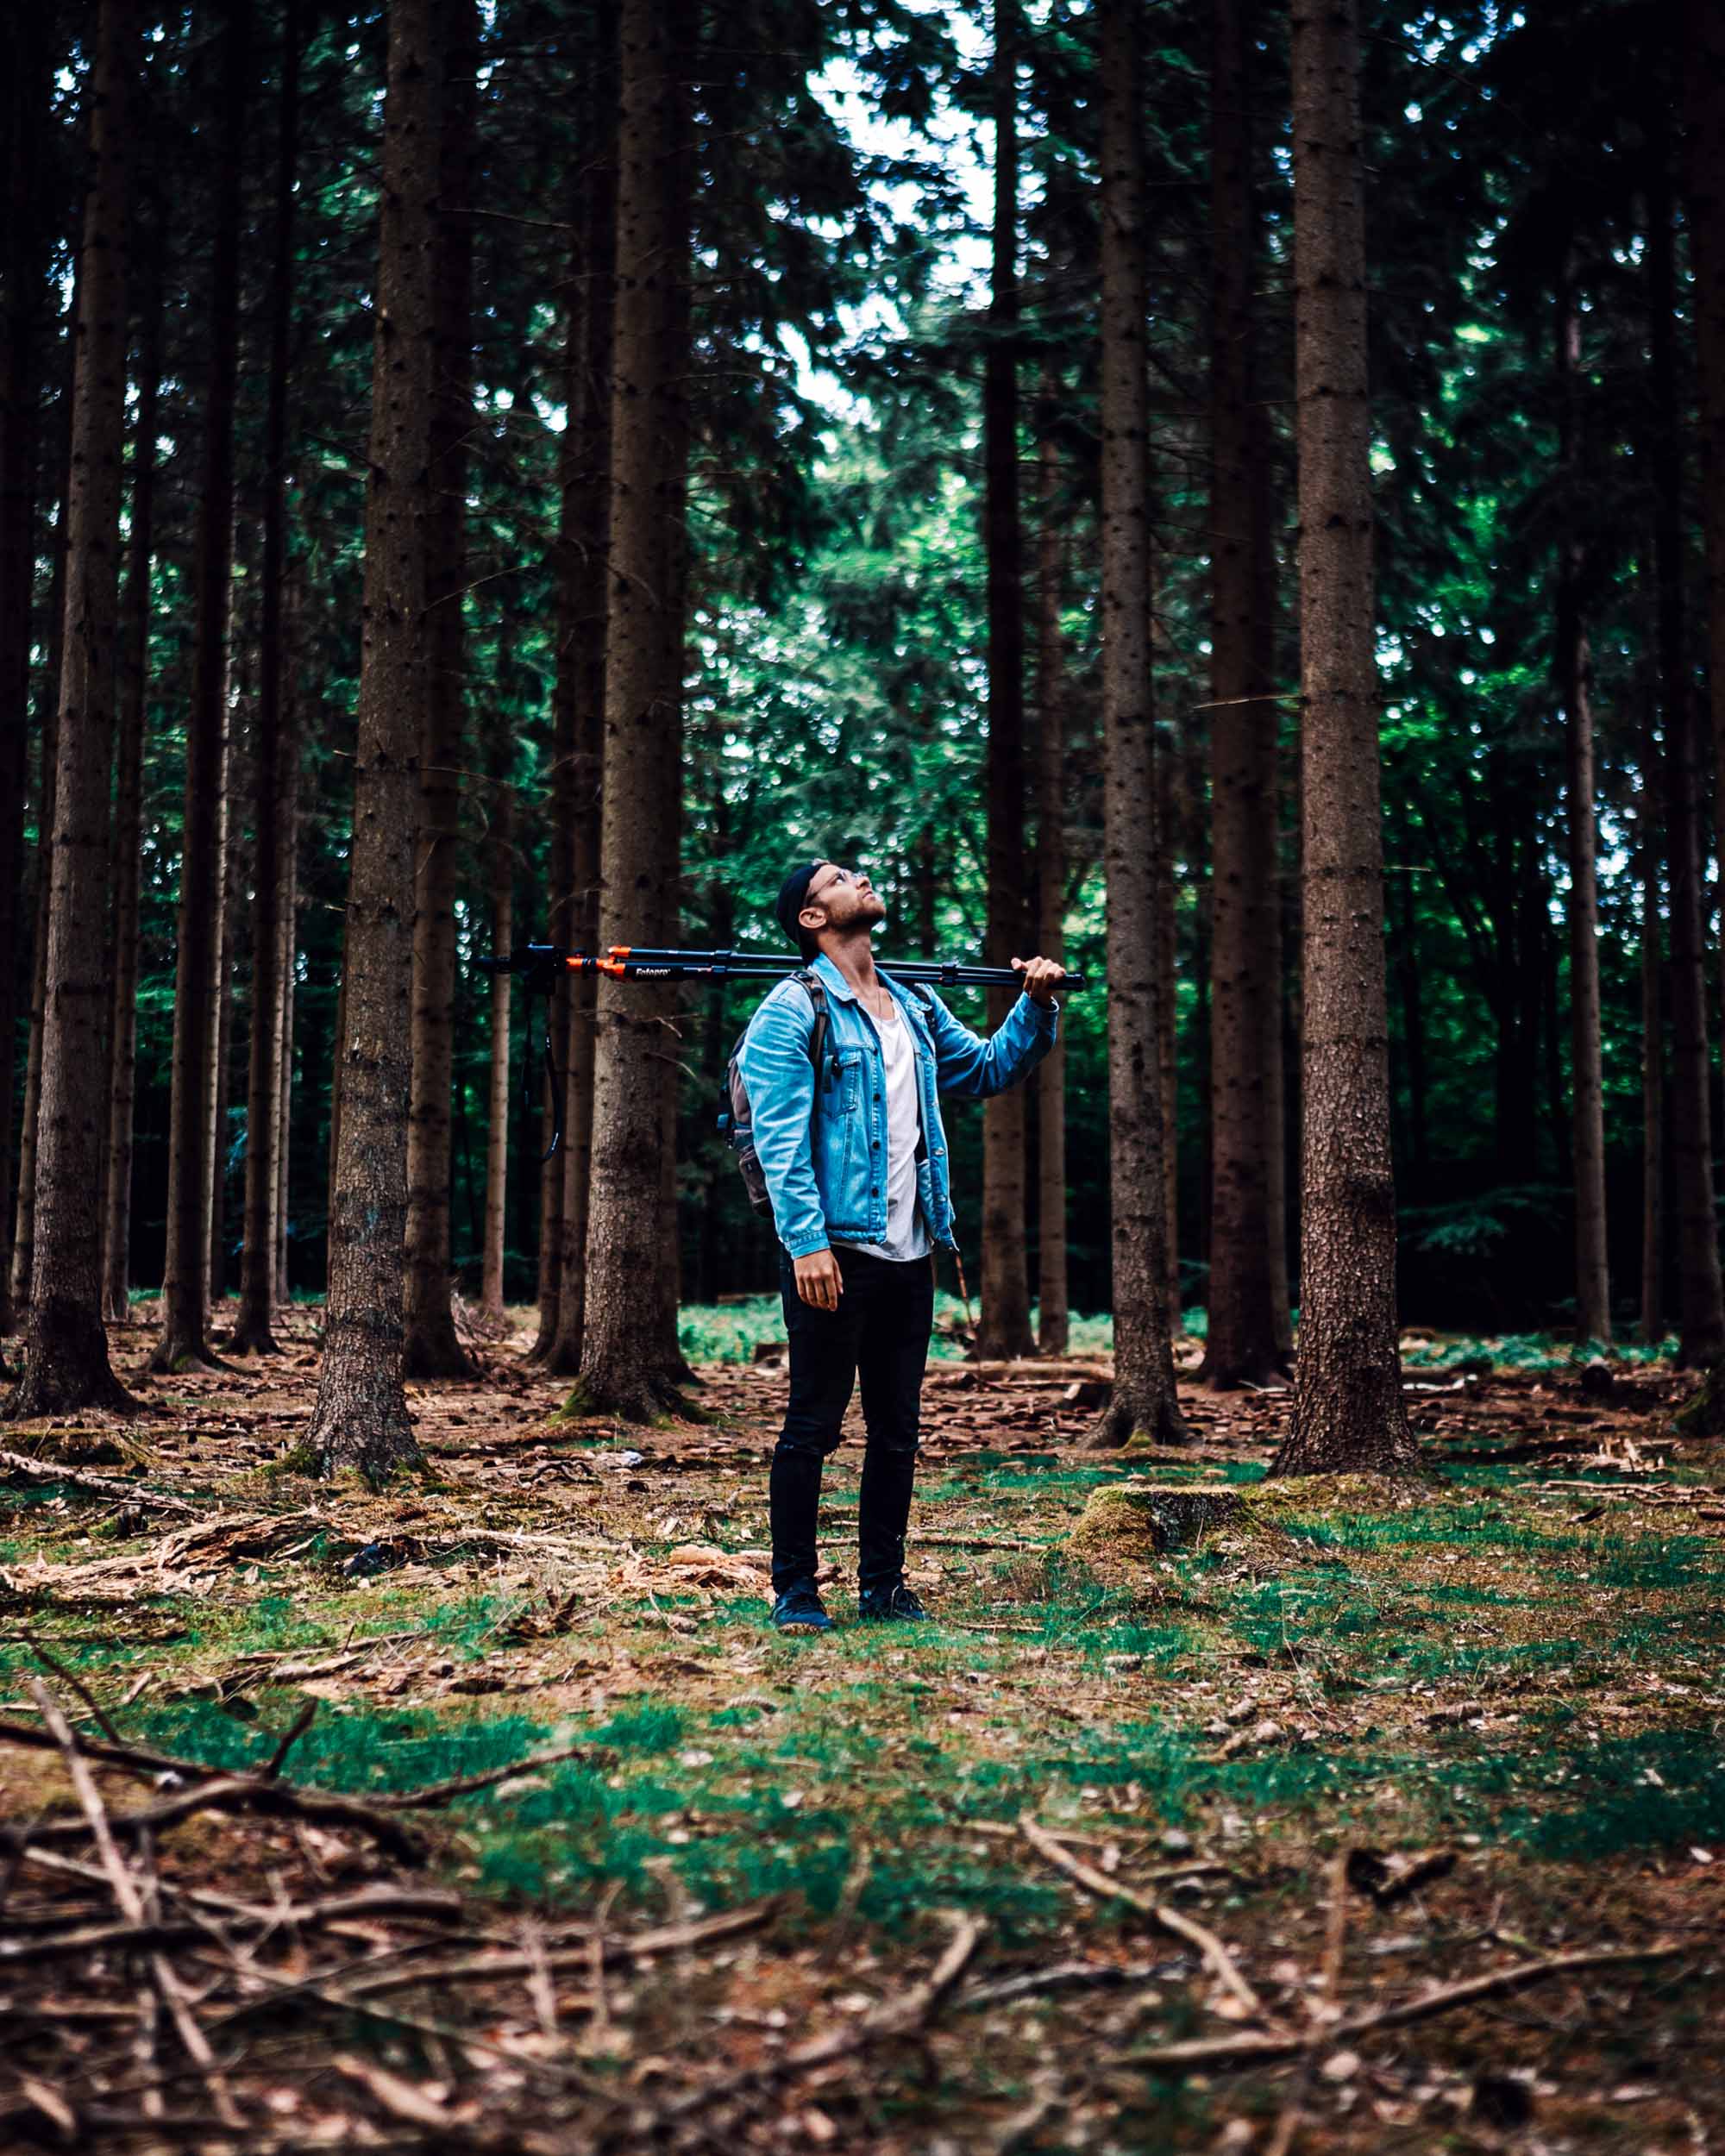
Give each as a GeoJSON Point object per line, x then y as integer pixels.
{"type": "Point", "coordinates": [1145, 1413]}
{"type": "Point", "coordinates": [65, 1368]}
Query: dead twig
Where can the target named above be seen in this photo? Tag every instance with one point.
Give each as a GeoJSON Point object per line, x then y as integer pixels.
{"type": "Point", "coordinates": [1247, 2050]}
{"type": "Point", "coordinates": [243, 1793]}
{"type": "Point", "coordinates": [1324, 2009]}
{"type": "Point", "coordinates": [895, 2017]}
{"type": "Point", "coordinates": [641, 1946]}
{"type": "Point", "coordinates": [1215, 1956]}
{"type": "Point", "coordinates": [131, 1900]}
{"type": "Point", "coordinates": [296, 1729]}
{"type": "Point", "coordinates": [262, 1790]}
{"type": "Point", "coordinates": [366, 1905]}
{"type": "Point", "coordinates": [437, 1794]}
{"type": "Point", "coordinates": [57, 1668]}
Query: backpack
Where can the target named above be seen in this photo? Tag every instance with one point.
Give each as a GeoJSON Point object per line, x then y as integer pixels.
{"type": "Point", "coordinates": [736, 1119]}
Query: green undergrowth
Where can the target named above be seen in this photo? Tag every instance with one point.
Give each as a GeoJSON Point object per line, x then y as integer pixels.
{"type": "Point", "coordinates": [730, 1331]}
{"type": "Point", "coordinates": [1534, 1353]}
{"type": "Point", "coordinates": [1473, 1663]}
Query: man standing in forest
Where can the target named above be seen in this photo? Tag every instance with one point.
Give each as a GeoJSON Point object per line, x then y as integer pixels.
{"type": "Point", "coordinates": [855, 1167]}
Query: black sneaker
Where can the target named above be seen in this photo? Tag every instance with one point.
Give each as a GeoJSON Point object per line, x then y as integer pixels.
{"type": "Point", "coordinates": [799, 1609]}
{"type": "Point", "coordinates": [890, 1605]}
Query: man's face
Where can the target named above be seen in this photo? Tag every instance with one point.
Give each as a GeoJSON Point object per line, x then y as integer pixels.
{"type": "Point", "coordinates": [842, 898]}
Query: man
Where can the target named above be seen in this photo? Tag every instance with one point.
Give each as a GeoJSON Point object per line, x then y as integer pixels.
{"type": "Point", "coordinates": [855, 1165]}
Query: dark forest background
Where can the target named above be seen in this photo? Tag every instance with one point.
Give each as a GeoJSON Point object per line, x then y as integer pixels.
{"type": "Point", "coordinates": [1522, 175]}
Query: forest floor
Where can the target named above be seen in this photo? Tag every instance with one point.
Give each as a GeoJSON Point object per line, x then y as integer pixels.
{"type": "Point", "coordinates": [925, 1890]}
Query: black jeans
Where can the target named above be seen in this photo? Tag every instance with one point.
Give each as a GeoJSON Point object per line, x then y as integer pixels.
{"type": "Point", "coordinates": [879, 1333]}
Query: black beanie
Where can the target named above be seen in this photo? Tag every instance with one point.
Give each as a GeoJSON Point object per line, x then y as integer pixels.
{"type": "Point", "coordinates": [792, 894]}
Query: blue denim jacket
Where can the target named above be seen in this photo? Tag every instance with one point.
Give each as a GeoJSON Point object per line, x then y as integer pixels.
{"type": "Point", "coordinates": [822, 1144]}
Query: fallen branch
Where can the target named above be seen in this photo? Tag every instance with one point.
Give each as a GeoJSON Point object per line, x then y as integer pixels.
{"type": "Point", "coordinates": [1247, 2050]}
{"type": "Point", "coordinates": [261, 1791]}
{"type": "Point", "coordinates": [366, 1905]}
{"type": "Point", "coordinates": [1216, 1956]}
{"type": "Point", "coordinates": [1058, 1976]}
{"type": "Point", "coordinates": [97, 1485]}
{"type": "Point", "coordinates": [127, 1894]}
{"type": "Point", "coordinates": [240, 1793]}
{"type": "Point", "coordinates": [641, 1946]}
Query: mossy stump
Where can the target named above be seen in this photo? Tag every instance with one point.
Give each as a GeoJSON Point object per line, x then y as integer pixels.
{"type": "Point", "coordinates": [1127, 1523]}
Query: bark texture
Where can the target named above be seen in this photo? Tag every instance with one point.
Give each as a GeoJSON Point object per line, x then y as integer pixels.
{"type": "Point", "coordinates": [1587, 1083]}
{"type": "Point", "coordinates": [1348, 1409]}
{"type": "Point", "coordinates": [583, 588]}
{"type": "Point", "coordinates": [360, 1419]}
{"type": "Point", "coordinates": [1144, 1399]}
{"type": "Point", "coordinates": [65, 1349]}
{"type": "Point", "coordinates": [1003, 1324]}
{"type": "Point", "coordinates": [253, 1331]}
{"type": "Point", "coordinates": [24, 1237]}
{"type": "Point", "coordinates": [1703, 79]}
{"type": "Point", "coordinates": [1700, 1305]}
{"type": "Point", "coordinates": [1053, 1308]}
{"type": "Point", "coordinates": [23, 264]}
{"type": "Point", "coordinates": [620, 1369]}
{"type": "Point", "coordinates": [133, 702]}
{"type": "Point", "coordinates": [432, 1348]}
{"type": "Point", "coordinates": [1653, 1325]}
{"type": "Point", "coordinates": [196, 1014]}
{"type": "Point", "coordinates": [1245, 1002]}
{"type": "Point", "coordinates": [500, 851]}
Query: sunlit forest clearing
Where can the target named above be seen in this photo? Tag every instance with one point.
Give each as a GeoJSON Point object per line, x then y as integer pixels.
{"type": "Point", "coordinates": [860, 971]}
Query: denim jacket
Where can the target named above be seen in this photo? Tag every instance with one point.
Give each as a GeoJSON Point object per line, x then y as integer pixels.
{"type": "Point", "coordinates": [822, 1141]}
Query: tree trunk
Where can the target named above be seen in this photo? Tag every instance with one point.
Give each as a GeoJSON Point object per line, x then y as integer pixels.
{"type": "Point", "coordinates": [1281, 924]}
{"type": "Point", "coordinates": [66, 1350]}
{"type": "Point", "coordinates": [24, 1239]}
{"type": "Point", "coordinates": [1700, 1306]}
{"type": "Point", "coordinates": [230, 882]}
{"type": "Point", "coordinates": [432, 1348]}
{"type": "Point", "coordinates": [671, 1367]}
{"type": "Point", "coordinates": [24, 1228]}
{"type": "Point", "coordinates": [289, 850]}
{"type": "Point", "coordinates": [183, 1341]}
{"type": "Point", "coordinates": [360, 1419]}
{"type": "Point", "coordinates": [1165, 840]}
{"type": "Point", "coordinates": [337, 1059]}
{"type": "Point", "coordinates": [1704, 78]}
{"type": "Point", "coordinates": [24, 241]}
{"type": "Point", "coordinates": [253, 1333]}
{"type": "Point", "coordinates": [1245, 1002]}
{"type": "Point", "coordinates": [1348, 1409]}
{"type": "Point", "coordinates": [1003, 1324]}
{"type": "Point", "coordinates": [621, 1331]}
{"type": "Point", "coordinates": [134, 700]}
{"type": "Point", "coordinates": [583, 590]}
{"type": "Point", "coordinates": [501, 853]}
{"type": "Point", "coordinates": [1144, 1399]}
{"type": "Point", "coordinates": [1652, 1325]}
{"type": "Point", "coordinates": [1053, 1310]}
{"type": "Point", "coordinates": [1587, 1098]}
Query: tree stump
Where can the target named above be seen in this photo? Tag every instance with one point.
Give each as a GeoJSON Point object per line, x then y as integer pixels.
{"type": "Point", "coordinates": [1125, 1523]}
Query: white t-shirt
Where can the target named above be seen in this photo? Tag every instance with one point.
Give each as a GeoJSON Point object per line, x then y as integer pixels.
{"type": "Point", "coordinates": [906, 1233]}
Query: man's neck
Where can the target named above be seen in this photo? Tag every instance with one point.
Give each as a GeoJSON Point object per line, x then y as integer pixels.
{"type": "Point", "coordinates": [854, 955]}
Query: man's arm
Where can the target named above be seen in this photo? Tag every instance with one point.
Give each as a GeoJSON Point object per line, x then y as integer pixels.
{"type": "Point", "coordinates": [966, 1063]}
{"type": "Point", "coordinates": [774, 1060]}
